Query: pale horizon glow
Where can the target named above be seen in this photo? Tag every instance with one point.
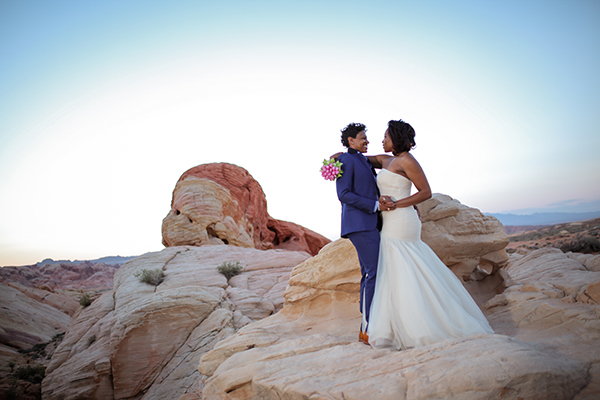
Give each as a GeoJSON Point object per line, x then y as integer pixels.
{"type": "Point", "coordinates": [103, 105]}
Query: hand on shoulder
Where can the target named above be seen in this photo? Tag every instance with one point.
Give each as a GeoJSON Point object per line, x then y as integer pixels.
{"type": "Point", "coordinates": [336, 155]}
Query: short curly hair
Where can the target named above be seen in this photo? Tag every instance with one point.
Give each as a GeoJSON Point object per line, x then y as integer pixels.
{"type": "Point", "coordinates": [402, 135]}
{"type": "Point", "coordinates": [351, 130]}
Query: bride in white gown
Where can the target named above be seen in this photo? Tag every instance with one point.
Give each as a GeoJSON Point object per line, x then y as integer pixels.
{"type": "Point", "coordinates": [417, 300]}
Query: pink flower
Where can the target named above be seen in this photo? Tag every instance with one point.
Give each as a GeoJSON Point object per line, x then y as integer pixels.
{"type": "Point", "coordinates": [331, 169]}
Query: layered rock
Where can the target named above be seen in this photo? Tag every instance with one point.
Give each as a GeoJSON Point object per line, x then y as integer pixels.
{"type": "Point", "coordinates": [199, 336]}
{"type": "Point", "coordinates": [222, 203]}
{"type": "Point", "coordinates": [59, 301]}
{"type": "Point", "coordinates": [25, 322]}
{"type": "Point", "coordinates": [144, 341]}
{"type": "Point", "coordinates": [32, 322]}
{"type": "Point", "coordinates": [553, 300]}
{"type": "Point", "coordinates": [590, 261]}
{"type": "Point", "coordinates": [470, 243]}
{"type": "Point", "coordinates": [310, 348]}
{"type": "Point", "coordinates": [353, 371]}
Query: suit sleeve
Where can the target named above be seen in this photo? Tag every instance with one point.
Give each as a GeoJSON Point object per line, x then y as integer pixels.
{"type": "Point", "coordinates": [345, 192]}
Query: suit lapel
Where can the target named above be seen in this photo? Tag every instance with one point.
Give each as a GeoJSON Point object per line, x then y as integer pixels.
{"type": "Point", "coordinates": [367, 164]}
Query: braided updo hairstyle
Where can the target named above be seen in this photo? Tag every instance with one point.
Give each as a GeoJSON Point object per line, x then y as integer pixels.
{"type": "Point", "coordinates": [402, 135]}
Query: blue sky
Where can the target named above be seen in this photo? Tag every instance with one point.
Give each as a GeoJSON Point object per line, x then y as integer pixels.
{"type": "Point", "coordinates": [104, 104]}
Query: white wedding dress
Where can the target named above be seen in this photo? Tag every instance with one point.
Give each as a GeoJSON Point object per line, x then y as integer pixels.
{"type": "Point", "coordinates": [417, 299]}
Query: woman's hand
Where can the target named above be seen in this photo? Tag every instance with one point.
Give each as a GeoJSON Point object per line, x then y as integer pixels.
{"type": "Point", "coordinates": [386, 203]}
{"type": "Point", "coordinates": [336, 155]}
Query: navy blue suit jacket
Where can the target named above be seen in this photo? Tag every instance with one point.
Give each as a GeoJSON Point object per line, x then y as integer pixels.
{"type": "Point", "coordinates": [357, 191]}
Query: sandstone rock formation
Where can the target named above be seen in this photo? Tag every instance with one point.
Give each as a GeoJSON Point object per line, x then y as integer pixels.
{"type": "Point", "coordinates": [496, 367]}
{"type": "Point", "coordinates": [59, 301]}
{"type": "Point", "coordinates": [553, 300]}
{"type": "Point", "coordinates": [144, 342]}
{"type": "Point", "coordinates": [25, 322]}
{"type": "Point", "coordinates": [471, 244]}
{"type": "Point", "coordinates": [310, 348]}
{"type": "Point", "coordinates": [199, 336]}
{"type": "Point", "coordinates": [462, 237]}
{"type": "Point", "coordinates": [222, 203]}
{"type": "Point", "coordinates": [32, 322]}
{"type": "Point", "coordinates": [139, 341]}
{"type": "Point", "coordinates": [590, 261]}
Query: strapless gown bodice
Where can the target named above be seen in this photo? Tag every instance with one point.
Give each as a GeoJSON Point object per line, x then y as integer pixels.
{"type": "Point", "coordinates": [401, 223]}
{"type": "Point", "coordinates": [417, 299]}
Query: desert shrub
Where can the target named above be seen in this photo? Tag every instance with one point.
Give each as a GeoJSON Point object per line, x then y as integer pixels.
{"type": "Point", "coordinates": [36, 350]}
{"type": "Point", "coordinates": [39, 349]}
{"type": "Point", "coordinates": [85, 300]}
{"type": "Point", "coordinates": [30, 373]}
{"type": "Point", "coordinates": [230, 269]}
{"type": "Point", "coordinates": [151, 276]}
{"type": "Point", "coordinates": [586, 244]}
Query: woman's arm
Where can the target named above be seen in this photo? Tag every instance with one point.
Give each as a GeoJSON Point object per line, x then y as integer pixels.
{"type": "Point", "coordinates": [335, 156]}
{"type": "Point", "coordinates": [414, 172]}
{"type": "Point", "coordinates": [378, 160]}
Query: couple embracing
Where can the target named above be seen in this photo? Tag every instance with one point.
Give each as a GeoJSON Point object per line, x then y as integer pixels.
{"type": "Point", "coordinates": [408, 297]}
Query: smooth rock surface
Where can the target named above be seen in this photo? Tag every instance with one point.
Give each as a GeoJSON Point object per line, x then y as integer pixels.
{"type": "Point", "coordinates": [496, 367]}
{"type": "Point", "coordinates": [59, 301]}
{"type": "Point", "coordinates": [553, 302]}
{"type": "Point", "coordinates": [590, 261]}
{"type": "Point", "coordinates": [310, 348]}
{"type": "Point", "coordinates": [25, 322]}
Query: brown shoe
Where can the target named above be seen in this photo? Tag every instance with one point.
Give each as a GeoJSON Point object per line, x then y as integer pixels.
{"type": "Point", "coordinates": [363, 337]}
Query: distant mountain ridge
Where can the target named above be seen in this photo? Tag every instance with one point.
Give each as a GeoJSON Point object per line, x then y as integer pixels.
{"type": "Point", "coordinates": [544, 218]}
{"type": "Point", "coordinates": [109, 260]}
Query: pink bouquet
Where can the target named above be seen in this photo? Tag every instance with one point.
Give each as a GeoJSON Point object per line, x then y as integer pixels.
{"type": "Point", "coordinates": [331, 169]}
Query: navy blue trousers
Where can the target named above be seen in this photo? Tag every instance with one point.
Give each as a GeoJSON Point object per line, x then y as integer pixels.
{"type": "Point", "coordinates": [366, 244]}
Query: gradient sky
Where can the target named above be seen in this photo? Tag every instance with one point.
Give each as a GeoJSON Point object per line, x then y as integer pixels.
{"type": "Point", "coordinates": [104, 104]}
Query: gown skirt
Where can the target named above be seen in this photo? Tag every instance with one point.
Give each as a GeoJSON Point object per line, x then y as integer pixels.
{"type": "Point", "coordinates": [418, 300]}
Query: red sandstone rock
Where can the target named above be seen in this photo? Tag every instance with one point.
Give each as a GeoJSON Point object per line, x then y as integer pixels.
{"type": "Point", "coordinates": [222, 203]}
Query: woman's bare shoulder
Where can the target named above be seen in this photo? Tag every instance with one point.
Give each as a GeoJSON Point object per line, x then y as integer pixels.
{"type": "Point", "coordinates": [407, 159]}
{"type": "Point", "coordinates": [409, 163]}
